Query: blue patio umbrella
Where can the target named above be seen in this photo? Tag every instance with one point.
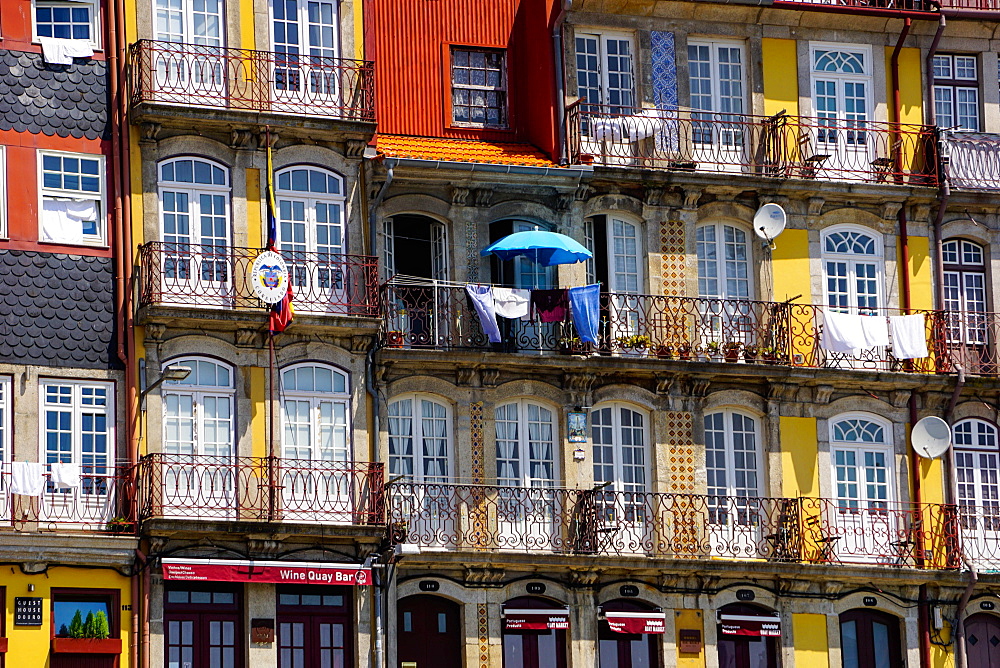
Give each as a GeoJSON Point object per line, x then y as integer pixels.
{"type": "Point", "coordinates": [545, 248]}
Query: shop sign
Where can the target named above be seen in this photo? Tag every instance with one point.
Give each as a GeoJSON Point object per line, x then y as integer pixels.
{"type": "Point", "coordinates": [536, 619]}
{"type": "Point", "coordinates": [689, 640]}
{"type": "Point", "coordinates": [278, 572]}
{"type": "Point", "coordinates": [750, 625]}
{"type": "Point", "coordinates": [27, 611]}
{"type": "Point", "coordinates": [636, 622]}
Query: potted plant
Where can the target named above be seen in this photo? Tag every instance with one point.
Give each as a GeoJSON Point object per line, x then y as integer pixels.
{"type": "Point", "coordinates": [394, 339]}
{"type": "Point", "coordinates": [666, 352]}
{"type": "Point", "coordinates": [767, 354]}
{"type": "Point", "coordinates": [90, 635]}
{"type": "Point", "coordinates": [636, 345]}
{"type": "Point", "coordinates": [586, 159]}
{"type": "Point", "coordinates": [731, 351]}
{"type": "Point", "coordinates": [749, 354]}
{"type": "Point", "coordinates": [570, 345]}
{"type": "Point", "coordinates": [119, 524]}
{"type": "Point", "coordinates": [713, 349]}
{"type": "Point", "coordinates": [684, 352]}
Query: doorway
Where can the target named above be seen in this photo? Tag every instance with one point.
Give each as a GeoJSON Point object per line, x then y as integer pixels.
{"type": "Point", "coordinates": [982, 641]}
{"type": "Point", "coordinates": [870, 639]}
{"type": "Point", "coordinates": [428, 632]}
{"type": "Point", "coordinates": [747, 651]}
{"type": "Point", "coordinates": [315, 626]}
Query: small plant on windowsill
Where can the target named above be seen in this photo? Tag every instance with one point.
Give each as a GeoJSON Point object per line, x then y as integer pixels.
{"type": "Point", "coordinates": [571, 345]}
{"type": "Point", "coordinates": [119, 524]}
{"type": "Point", "coordinates": [635, 345]}
{"type": "Point", "coordinates": [731, 351]}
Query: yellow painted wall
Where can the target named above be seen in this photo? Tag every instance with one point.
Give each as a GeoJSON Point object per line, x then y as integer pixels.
{"type": "Point", "coordinates": [911, 94]}
{"type": "Point", "coordinates": [790, 264]}
{"type": "Point", "coordinates": [258, 409]}
{"type": "Point", "coordinates": [921, 293]}
{"type": "Point", "coordinates": [781, 87]}
{"type": "Point", "coordinates": [810, 642]}
{"type": "Point", "coordinates": [29, 646]}
{"type": "Point", "coordinates": [255, 230]}
{"type": "Point", "coordinates": [799, 453]}
{"type": "Point", "coordinates": [247, 36]}
{"type": "Point", "coordinates": [689, 619]}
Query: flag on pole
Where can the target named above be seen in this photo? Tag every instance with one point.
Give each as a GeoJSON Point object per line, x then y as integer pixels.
{"type": "Point", "coordinates": [272, 220]}
{"type": "Point", "coordinates": [282, 313]}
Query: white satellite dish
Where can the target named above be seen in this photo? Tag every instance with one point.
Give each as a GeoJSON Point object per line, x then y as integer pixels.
{"type": "Point", "coordinates": [769, 221]}
{"type": "Point", "coordinates": [930, 437]}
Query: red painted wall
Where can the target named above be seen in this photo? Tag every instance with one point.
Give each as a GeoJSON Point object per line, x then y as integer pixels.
{"type": "Point", "coordinates": [15, 26]}
{"type": "Point", "coordinates": [409, 42]}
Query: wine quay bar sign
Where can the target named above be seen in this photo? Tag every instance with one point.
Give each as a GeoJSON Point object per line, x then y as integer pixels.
{"type": "Point", "coordinates": [279, 572]}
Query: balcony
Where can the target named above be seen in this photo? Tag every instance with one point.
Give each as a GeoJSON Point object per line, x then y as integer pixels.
{"type": "Point", "coordinates": [260, 489]}
{"type": "Point", "coordinates": [877, 7]}
{"type": "Point", "coordinates": [974, 160]}
{"type": "Point", "coordinates": [218, 279]}
{"type": "Point", "coordinates": [594, 523]}
{"type": "Point", "coordinates": [775, 147]}
{"type": "Point", "coordinates": [99, 504]}
{"type": "Point", "coordinates": [174, 83]}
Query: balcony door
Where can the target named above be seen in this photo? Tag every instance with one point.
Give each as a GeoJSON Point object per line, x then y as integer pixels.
{"type": "Point", "coordinates": [617, 264]}
{"type": "Point", "coordinates": [190, 68]}
{"type": "Point", "coordinates": [717, 76]}
{"type": "Point", "coordinates": [853, 276]}
{"type": "Point", "coordinates": [615, 518]}
{"type": "Point", "coordinates": [523, 273]}
{"type": "Point", "coordinates": [317, 477]}
{"type": "Point", "coordinates": [526, 472]}
{"type": "Point", "coordinates": [865, 518]}
{"type": "Point", "coordinates": [311, 238]}
{"type": "Point", "coordinates": [841, 145]}
{"type": "Point", "coordinates": [415, 261]}
{"type": "Point", "coordinates": [965, 305]}
{"type": "Point", "coordinates": [733, 463]}
{"type": "Point", "coordinates": [195, 226]}
{"type": "Point", "coordinates": [306, 69]}
{"type": "Point", "coordinates": [977, 475]}
{"type": "Point", "coordinates": [725, 285]}
{"type": "Point", "coordinates": [428, 632]}
{"type": "Point", "coordinates": [199, 477]}
{"type": "Point", "coordinates": [605, 75]}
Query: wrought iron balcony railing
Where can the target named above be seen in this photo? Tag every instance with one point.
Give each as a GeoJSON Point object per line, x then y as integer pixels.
{"type": "Point", "coordinates": [100, 503]}
{"type": "Point", "coordinates": [260, 489]}
{"type": "Point", "coordinates": [675, 526]}
{"type": "Point", "coordinates": [201, 276]}
{"type": "Point", "coordinates": [193, 75]}
{"type": "Point", "coordinates": [974, 160]}
{"type": "Point", "coordinates": [779, 146]}
{"type": "Point", "coordinates": [882, 6]}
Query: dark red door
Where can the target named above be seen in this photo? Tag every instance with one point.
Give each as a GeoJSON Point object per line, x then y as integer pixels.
{"type": "Point", "coordinates": [870, 639]}
{"type": "Point", "coordinates": [627, 650]}
{"type": "Point", "coordinates": [533, 649]}
{"type": "Point", "coordinates": [746, 651]}
{"type": "Point", "coordinates": [315, 627]}
{"type": "Point", "coordinates": [202, 626]}
{"type": "Point", "coordinates": [982, 641]}
{"type": "Point", "coordinates": [428, 633]}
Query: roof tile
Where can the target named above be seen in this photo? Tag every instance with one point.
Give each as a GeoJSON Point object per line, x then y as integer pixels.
{"type": "Point", "coordinates": [461, 150]}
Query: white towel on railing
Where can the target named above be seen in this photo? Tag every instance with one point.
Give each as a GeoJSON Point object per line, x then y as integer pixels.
{"type": "Point", "coordinates": [511, 302]}
{"type": "Point", "coordinates": [876, 329]}
{"type": "Point", "coordinates": [909, 336]}
{"type": "Point", "coordinates": [629, 128]}
{"type": "Point", "coordinates": [65, 475]}
{"type": "Point", "coordinates": [58, 51]}
{"type": "Point", "coordinates": [843, 332]}
{"type": "Point", "coordinates": [27, 478]}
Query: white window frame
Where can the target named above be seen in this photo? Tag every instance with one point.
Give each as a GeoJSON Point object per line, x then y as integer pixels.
{"type": "Point", "coordinates": [524, 460]}
{"type": "Point", "coordinates": [198, 394]}
{"type": "Point", "coordinates": [101, 238]}
{"type": "Point", "coordinates": [302, 22]}
{"type": "Point", "coordinates": [95, 24]}
{"type": "Point", "coordinates": [6, 419]}
{"type": "Point", "coordinates": [603, 37]}
{"type": "Point", "coordinates": [438, 241]}
{"type": "Point", "coordinates": [416, 434]}
{"type": "Point", "coordinates": [502, 89]}
{"type": "Point", "coordinates": [853, 259]}
{"type": "Point", "coordinates": [841, 77]}
{"type": "Point", "coordinates": [978, 500]}
{"type": "Point", "coordinates": [77, 408]}
{"type": "Point", "coordinates": [193, 190]}
{"type": "Point", "coordinates": [722, 264]}
{"type": "Point", "coordinates": [728, 450]}
{"type": "Point", "coordinates": [187, 17]}
{"type": "Point", "coordinates": [953, 86]}
{"type": "Point", "coordinates": [310, 199]}
{"type": "Point", "coordinates": [618, 483]}
{"type": "Point", "coordinates": [714, 66]}
{"type": "Point", "coordinates": [859, 447]}
{"type": "Point", "coordinates": [315, 398]}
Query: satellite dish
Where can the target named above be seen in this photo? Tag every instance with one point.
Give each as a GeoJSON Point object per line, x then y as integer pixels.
{"type": "Point", "coordinates": [930, 437]}
{"type": "Point", "coordinates": [769, 221]}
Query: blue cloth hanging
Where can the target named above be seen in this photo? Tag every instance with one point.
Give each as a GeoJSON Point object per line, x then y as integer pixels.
{"type": "Point", "coordinates": [482, 300]}
{"type": "Point", "coordinates": [585, 306]}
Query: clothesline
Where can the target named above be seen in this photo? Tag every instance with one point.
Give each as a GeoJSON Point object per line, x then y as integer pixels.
{"type": "Point", "coordinates": [851, 332]}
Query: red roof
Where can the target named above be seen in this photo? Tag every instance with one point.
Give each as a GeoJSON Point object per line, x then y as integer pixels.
{"type": "Point", "coordinates": [461, 150]}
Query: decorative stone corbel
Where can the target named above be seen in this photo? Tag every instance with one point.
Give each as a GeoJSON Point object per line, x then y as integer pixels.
{"type": "Point", "coordinates": [783, 391]}
{"type": "Point", "coordinates": [653, 196]}
{"type": "Point", "coordinates": [354, 148]}
{"type": "Point", "coordinates": [583, 192]}
{"type": "Point", "coordinates": [899, 398]}
{"type": "Point", "coordinates": [822, 394]}
{"type": "Point", "coordinates": [361, 343]}
{"type": "Point", "coordinates": [149, 132]}
{"type": "Point", "coordinates": [459, 196]}
{"type": "Point", "coordinates": [691, 197]}
{"type": "Point", "coordinates": [815, 206]}
{"type": "Point", "coordinates": [890, 210]}
{"type": "Point", "coordinates": [490, 377]}
{"type": "Point", "coordinates": [466, 376]}
{"type": "Point", "coordinates": [564, 201]}
{"type": "Point", "coordinates": [154, 332]}
{"type": "Point", "coordinates": [484, 197]}
{"type": "Point", "coordinates": [246, 338]}
{"type": "Point", "coordinates": [240, 138]}
{"type": "Point", "coordinates": [483, 576]}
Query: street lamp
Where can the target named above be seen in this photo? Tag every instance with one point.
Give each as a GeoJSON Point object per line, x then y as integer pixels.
{"type": "Point", "coordinates": [174, 372]}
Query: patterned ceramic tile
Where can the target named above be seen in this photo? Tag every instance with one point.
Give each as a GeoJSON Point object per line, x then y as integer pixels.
{"type": "Point", "coordinates": [483, 624]}
{"type": "Point", "coordinates": [674, 267]}
{"type": "Point", "coordinates": [472, 251]}
{"type": "Point", "coordinates": [679, 440]}
{"type": "Point", "coordinates": [665, 83]}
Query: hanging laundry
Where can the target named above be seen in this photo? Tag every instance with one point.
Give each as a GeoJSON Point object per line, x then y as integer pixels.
{"type": "Point", "coordinates": [482, 300]}
{"type": "Point", "coordinates": [909, 336]}
{"type": "Point", "coordinates": [585, 305]}
{"type": "Point", "coordinates": [27, 478]}
{"type": "Point", "coordinates": [843, 332]}
{"type": "Point", "coordinates": [511, 302]}
{"type": "Point", "coordinates": [876, 330]}
{"type": "Point", "coordinates": [62, 220]}
{"type": "Point", "coordinates": [57, 51]}
{"type": "Point", "coordinates": [65, 475]}
{"type": "Point", "coordinates": [550, 305]}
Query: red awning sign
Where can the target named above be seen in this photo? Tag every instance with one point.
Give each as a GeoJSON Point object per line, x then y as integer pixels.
{"type": "Point", "coordinates": [750, 625]}
{"type": "Point", "coordinates": [536, 619]}
{"type": "Point", "coordinates": [279, 572]}
{"type": "Point", "coordinates": [636, 622]}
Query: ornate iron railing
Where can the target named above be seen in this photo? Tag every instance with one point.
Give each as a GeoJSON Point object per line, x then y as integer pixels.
{"type": "Point", "coordinates": [260, 489]}
{"type": "Point", "coordinates": [973, 160]}
{"type": "Point", "coordinates": [100, 503]}
{"type": "Point", "coordinates": [980, 531]}
{"type": "Point", "coordinates": [779, 146]}
{"type": "Point", "coordinates": [219, 277]}
{"type": "Point", "coordinates": [863, 5]}
{"type": "Point", "coordinates": [193, 75]}
{"type": "Point", "coordinates": [677, 526]}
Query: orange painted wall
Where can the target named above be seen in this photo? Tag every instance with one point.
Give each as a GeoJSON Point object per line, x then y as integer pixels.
{"type": "Point", "coordinates": [409, 41]}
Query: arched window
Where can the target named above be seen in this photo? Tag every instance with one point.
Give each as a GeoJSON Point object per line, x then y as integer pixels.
{"type": "Point", "coordinates": [965, 291]}
{"type": "Point", "coordinates": [852, 270]}
{"type": "Point", "coordinates": [525, 435]}
{"type": "Point", "coordinates": [977, 472]}
{"type": "Point", "coordinates": [621, 454]}
{"type": "Point", "coordinates": [198, 411]}
{"type": "Point", "coordinates": [841, 82]}
{"type": "Point", "coordinates": [870, 639]}
{"type": "Point", "coordinates": [195, 226]}
{"type": "Point", "coordinates": [415, 245]}
{"type": "Point", "coordinates": [861, 450]}
{"type": "Point", "coordinates": [420, 435]}
{"type": "Point", "coordinates": [723, 262]}
{"type": "Point", "coordinates": [732, 454]}
{"type": "Point", "coordinates": [620, 647]}
{"type": "Point", "coordinates": [315, 407]}
{"type": "Point", "coordinates": [742, 642]}
{"type": "Point", "coordinates": [521, 272]}
{"type": "Point", "coordinates": [534, 634]}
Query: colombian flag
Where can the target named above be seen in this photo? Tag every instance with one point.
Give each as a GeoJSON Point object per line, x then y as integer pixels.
{"type": "Point", "coordinates": [282, 312]}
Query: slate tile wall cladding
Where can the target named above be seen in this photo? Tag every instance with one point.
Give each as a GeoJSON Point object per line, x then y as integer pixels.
{"type": "Point", "coordinates": [57, 310]}
{"type": "Point", "coordinates": [63, 100]}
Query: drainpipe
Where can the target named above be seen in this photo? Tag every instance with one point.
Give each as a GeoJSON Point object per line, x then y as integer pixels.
{"type": "Point", "coordinates": [944, 192]}
{"type": "Point", "coordinates": [557, 56]}
{"type": "Point", "coordinates": [961, 659]}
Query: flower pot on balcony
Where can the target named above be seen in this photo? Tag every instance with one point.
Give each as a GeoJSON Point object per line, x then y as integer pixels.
{"type": "Point", "coordinates": [87, 645]}
{"type": "Point", "coordinates": [732, 354]}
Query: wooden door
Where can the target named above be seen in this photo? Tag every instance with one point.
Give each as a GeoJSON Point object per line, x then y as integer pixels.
{"type": "Point", "coordinates": [428, 633]}
{"type": "Point", "coordinates": [982, 641]}
{"type": "Point", "coordinates": [870, 639]}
